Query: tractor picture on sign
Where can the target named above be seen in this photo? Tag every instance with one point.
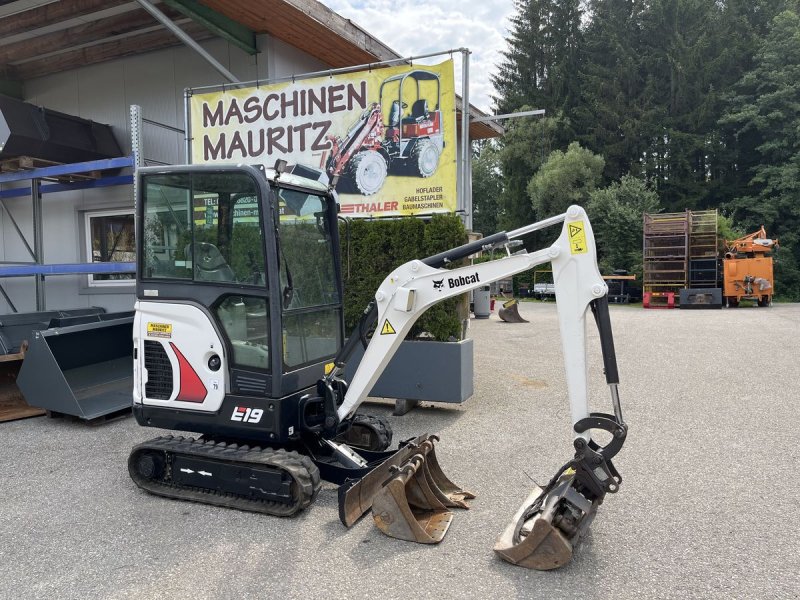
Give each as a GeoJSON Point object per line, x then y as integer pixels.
{"type": "Point", "coordinates": [408, 142]}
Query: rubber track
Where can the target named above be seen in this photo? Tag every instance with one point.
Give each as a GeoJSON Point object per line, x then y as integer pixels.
{"type": "Point", "coordinates": [378, 425]}
{"type": "Point", "coordinates": [302, 470]}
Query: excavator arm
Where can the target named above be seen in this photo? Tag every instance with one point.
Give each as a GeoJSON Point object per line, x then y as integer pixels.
{"type": "Point", "coordinates": [553, 518]}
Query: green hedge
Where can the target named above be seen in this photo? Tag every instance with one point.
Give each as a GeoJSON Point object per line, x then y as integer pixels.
{"type": "Point", "coordinates": [372, 249]}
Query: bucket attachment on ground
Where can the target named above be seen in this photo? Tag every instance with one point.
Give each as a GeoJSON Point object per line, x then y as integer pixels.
{"type": "Point", "coordinates": [15, 331]}
{"type": "Point", "coordinates": [83, 370]}
{"type": "Point", "coordinates": [454, 496]}
{"type": "Point", "coordinates": [407, 492]}
{"type": "Point", "coordinates": [408, 508]}
{"type": "Point", "coordinates": [510, 312]}
{"type": "Point", "coordinates": [549, 524]}
{"type": "Point", "coordinates": [533, 542]}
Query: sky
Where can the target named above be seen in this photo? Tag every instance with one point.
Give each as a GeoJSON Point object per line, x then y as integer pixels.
{"type": "Point", "coordinates": [416, 27]}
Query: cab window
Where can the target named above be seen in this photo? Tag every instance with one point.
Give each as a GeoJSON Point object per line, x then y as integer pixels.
{"type": "Point", "coordinates": [310, 294]}
{"type": "Point", "coordinates": [203, 227]}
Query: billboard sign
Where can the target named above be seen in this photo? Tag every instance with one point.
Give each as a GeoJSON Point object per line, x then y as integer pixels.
{"type": "Point", "coordinates": [388, 135]}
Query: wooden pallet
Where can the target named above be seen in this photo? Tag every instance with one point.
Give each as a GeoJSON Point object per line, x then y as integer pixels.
{"type": "Point", "coordinates": [26, 163]}
{"type": "Point", "coordinates": [12, 402]}
{"type": "Point", "coordinates": [17, 409]}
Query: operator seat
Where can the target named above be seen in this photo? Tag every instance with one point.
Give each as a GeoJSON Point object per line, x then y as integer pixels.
{"type": "Point", "coordinates": [419, 112]}
{"type": "Point", "coordinates": [208, 262]}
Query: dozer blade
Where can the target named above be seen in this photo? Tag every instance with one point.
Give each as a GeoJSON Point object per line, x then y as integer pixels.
{"type": "Point", "coordinates": [408, 509]}
{"type": "Point", "coordinates": [510, 312]}
{"type": "Point", "coordinates": [430, 492]}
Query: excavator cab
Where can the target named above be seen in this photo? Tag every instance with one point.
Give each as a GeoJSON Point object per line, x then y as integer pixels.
{"type": "Point", "coordinates": [411, 102]}
{"type": "Point", "coordinates": [239, 297]}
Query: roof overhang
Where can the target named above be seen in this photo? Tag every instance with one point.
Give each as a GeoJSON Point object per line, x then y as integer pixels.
{"type": "Point", "coordinates": [38, 38]}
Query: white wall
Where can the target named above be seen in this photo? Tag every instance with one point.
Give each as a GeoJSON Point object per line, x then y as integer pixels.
{"type": "Point", "coordinates": [104, 93]}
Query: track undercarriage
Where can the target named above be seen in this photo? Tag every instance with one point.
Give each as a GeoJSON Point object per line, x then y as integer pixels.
{"type": "Point", "coordinates": [244, 475]}
{"type": "Point", "coordinates": [265, 480]}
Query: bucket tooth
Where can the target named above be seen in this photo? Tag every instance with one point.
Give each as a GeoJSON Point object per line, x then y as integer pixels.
{"type": "Point", "coordinates": [541, 546]}
{"type": "Point", "coordinates": [408, 509]}
{"type": "Point", "coordinates": [510, 312]}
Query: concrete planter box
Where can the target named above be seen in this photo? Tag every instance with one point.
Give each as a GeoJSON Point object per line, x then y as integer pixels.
{"type": "Point", "coordinates": [424, 370]}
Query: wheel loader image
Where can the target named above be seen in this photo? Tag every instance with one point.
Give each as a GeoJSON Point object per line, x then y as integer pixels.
{"type": "Point", "coordinates": [241, 340]}
{"type": "Point", "coordinates": [408, 141]}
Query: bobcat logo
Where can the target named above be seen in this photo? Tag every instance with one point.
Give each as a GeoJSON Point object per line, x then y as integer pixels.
{"type": "Point", "coordinates": [438, 285]}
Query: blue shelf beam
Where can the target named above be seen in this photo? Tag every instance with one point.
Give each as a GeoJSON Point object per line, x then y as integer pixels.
{"type": "Point", "coordinates": [68, 269]}
{"type": "Point", "coordinates": [68, 169]}
{"type": "Point", "coordinates": [68, 187]}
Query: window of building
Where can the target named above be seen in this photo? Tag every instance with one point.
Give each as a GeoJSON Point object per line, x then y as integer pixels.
{"type": "Point", "coordinates": [110, 237]}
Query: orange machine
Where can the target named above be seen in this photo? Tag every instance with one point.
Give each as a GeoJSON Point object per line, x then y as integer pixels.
{"type": "Point", "coordinates": [748, 269]}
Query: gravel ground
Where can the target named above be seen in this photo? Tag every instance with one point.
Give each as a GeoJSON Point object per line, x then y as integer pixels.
{"type": "Point", "coordinates": [708, 507]}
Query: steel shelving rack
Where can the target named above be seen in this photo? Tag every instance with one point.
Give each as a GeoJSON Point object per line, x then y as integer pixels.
{"type": "Point", "coordinates": [58, 178]}
{"type": "Point", "coordinates": [680, 251]}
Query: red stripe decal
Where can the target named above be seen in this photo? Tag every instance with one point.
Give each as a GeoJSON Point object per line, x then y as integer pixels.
{"type": "Point", "coordinates": [192, 389]}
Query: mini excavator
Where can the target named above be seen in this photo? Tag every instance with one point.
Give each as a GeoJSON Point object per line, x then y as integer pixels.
{"type": "Point", "coordinates": [239, 337]}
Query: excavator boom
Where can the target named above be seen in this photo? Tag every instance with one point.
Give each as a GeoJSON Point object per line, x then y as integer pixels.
{"type": "Point", "coordinates": [552, 520]}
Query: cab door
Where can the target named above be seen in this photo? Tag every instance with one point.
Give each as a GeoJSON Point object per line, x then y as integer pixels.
{"type": "Point", "coordinates": [202, 328]}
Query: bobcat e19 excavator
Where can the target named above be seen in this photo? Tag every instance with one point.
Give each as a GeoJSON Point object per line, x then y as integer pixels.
{"type": "Point", "coordinates": [238, 336]}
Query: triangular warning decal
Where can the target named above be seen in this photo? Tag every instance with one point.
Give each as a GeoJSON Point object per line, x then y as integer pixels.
{"type": "Point", "coordinates": [577, 237]}
{"type": "Point", "coordinates": [387, 328]}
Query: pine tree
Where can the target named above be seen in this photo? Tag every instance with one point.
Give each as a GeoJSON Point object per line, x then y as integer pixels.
{"type": "Point", "coordinates": [521, 74]}
{"type": "Point", "coordinates": [540, 70]}
{"type": "Point", "coordinates": [742, 27]}
{"type": "Point", "coordinates": [766, 110]}
{"type": "Point", "coordinates": [541, 66]}
{"type": "Point", "coordinates": [609, 113]}
{"type": "Point", "coordinates": [487, 189]}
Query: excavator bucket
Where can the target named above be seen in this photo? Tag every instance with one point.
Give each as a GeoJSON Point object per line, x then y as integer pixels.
{"type": "Point", "coordinates": [510, 312]}
{"type": "Point", "coordinates": [82, 369]}
{"type": "Point", "coordinates": [454, 496]}
{"type": "Point", "coordinates": [15, 331]}
{"type": "Point", "coordinates": [408, 508]}
{"type": "Point", "coordinates": [533, 543]}
{"type": "Point", "coordinates": [408, 493]}
{"type": "Point", "coordinates": [547, 526]}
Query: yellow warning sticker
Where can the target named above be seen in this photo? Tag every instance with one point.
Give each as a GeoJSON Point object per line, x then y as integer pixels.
{"type": "Point", "coordinates": [577, 237]}
{"type": "Point", "coordinates": [387, 328]}
{"type": "Point", "coordinates": [329, 367]}
{"type": "Point", "coordinates": [162, 330]}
